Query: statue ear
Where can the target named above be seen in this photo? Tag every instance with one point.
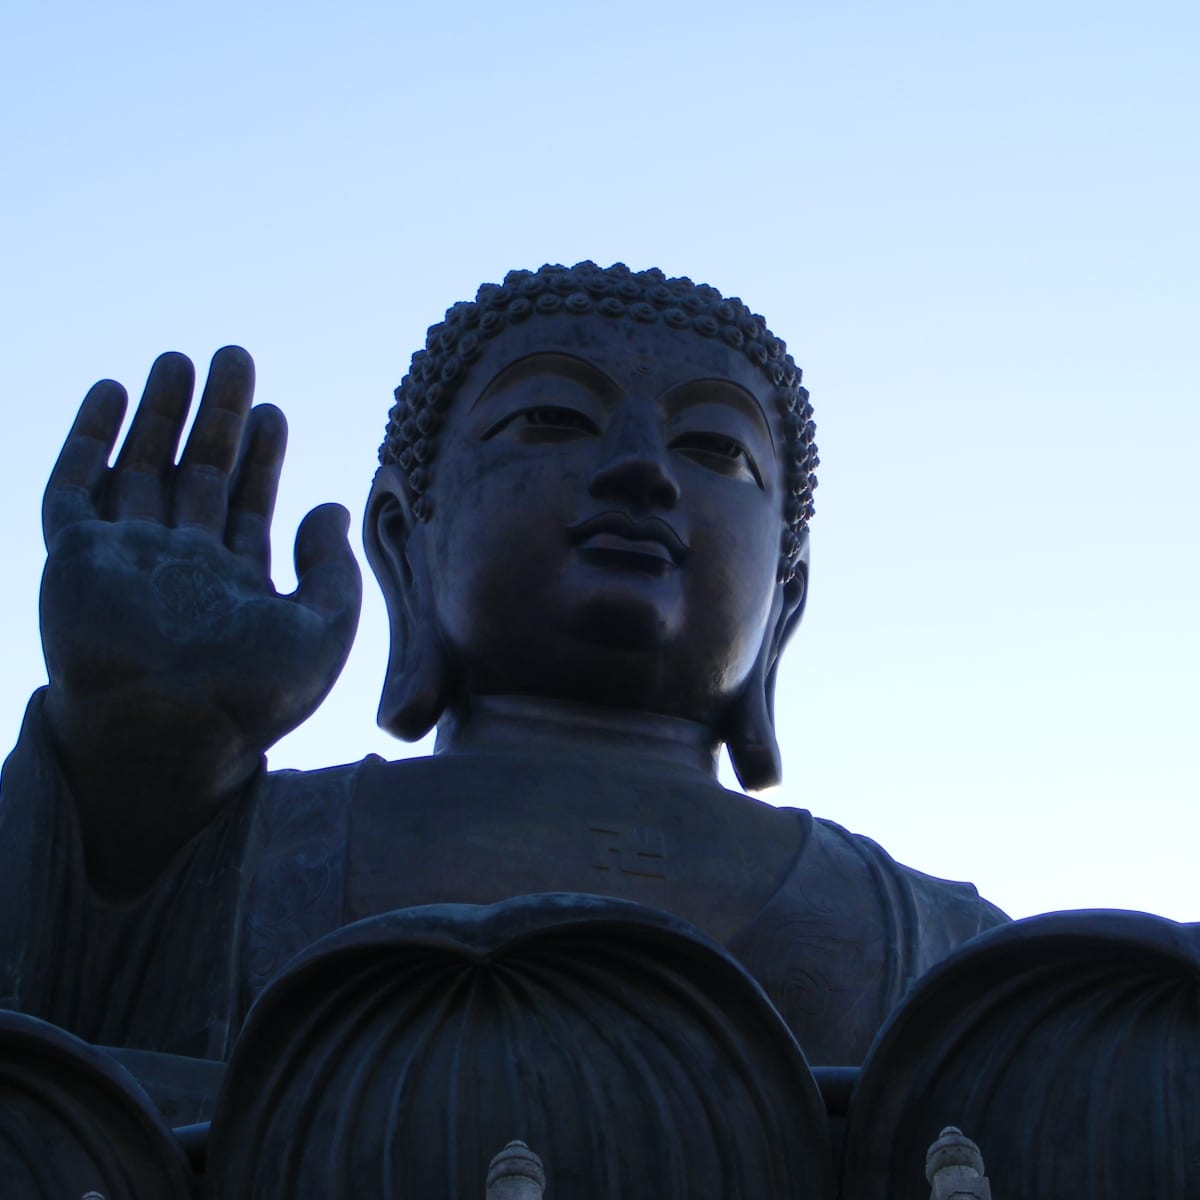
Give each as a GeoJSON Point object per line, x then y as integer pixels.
{"type": "Point", "coordinates": [418, 685]}
{"type": "Point", "coordinates": [749, 733]}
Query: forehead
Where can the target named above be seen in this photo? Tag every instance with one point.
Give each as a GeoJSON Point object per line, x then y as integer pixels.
{"type": "Point", "coordinates": [645, 358]}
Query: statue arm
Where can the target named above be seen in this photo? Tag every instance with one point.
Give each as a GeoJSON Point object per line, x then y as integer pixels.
{"type": "Point", "coordinates": [173, 662]}
{"type": "Point", "coordinates": [35, 865]}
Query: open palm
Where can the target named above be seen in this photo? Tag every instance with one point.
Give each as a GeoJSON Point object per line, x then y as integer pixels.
{"type": "Point", "coordinates": [161, 628]}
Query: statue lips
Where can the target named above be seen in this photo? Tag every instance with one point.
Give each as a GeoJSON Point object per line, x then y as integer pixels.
{"type": "Point", "coordinates": [614, 538]}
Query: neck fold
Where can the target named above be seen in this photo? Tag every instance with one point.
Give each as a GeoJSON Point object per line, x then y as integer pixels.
{"type": "Point", "coordinates": [539, 726]}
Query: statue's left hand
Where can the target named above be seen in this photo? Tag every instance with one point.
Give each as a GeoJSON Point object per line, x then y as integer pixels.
{"type": "Point", "coordinates": [173, 661]}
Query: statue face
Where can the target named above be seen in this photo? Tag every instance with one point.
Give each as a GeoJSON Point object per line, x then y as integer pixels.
{"type": "Point", "coordinates": [607, 509]}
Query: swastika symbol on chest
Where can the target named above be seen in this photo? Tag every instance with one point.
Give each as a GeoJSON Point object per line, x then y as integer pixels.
{"type": "Point", "coordinates": [628, 848]}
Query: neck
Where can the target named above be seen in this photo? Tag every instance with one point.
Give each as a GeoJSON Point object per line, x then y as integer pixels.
{"type": "Point", "coordinates": [540, 726]}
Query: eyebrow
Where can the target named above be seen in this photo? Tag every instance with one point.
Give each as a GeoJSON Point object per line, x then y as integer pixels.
{"type": "Point", "coordinates": [692, 393]}
{"type": "Point", "coordinates": [551, 362]}
{"type": "Point", "coordinates": [688, 393]}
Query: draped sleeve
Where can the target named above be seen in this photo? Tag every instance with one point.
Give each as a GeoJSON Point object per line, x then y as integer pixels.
{"type": "Point", "coordinates": [176, 968]}
{"type": "Point", "coordinates": [158, 971]}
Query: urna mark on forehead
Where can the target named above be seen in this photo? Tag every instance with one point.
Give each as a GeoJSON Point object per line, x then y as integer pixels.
{"type": "Point", "coordinates": [645, 299]}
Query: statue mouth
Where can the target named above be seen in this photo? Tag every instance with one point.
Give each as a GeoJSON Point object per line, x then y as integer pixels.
{"type": "Point", "coordinates": [614, 538]}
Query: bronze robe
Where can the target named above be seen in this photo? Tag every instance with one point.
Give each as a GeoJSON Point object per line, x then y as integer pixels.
{"type": "Point", "coordinates": [835, 940]}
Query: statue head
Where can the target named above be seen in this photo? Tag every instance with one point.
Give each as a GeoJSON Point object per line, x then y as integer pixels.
{"type": "Point", "coordinates": [596, 487]}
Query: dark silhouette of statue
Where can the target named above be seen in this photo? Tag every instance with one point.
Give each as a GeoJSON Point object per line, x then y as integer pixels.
{"type": "Point", "coordinates": [590, 523]}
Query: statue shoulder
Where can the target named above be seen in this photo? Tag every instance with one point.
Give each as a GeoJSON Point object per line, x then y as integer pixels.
{"type": "Point", "coordinates": [933, 912]}
{"type": "Point", "coordinates": [291, 800]}
{"type": "Point", "coordinates": [296, 863]}
{"type": "Point", "coordinates": [848, 933]}
{"type": "Point", "coordinates": [301, 847]}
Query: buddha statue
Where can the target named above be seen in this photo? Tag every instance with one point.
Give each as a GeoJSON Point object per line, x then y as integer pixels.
{"type": "Point", "coordinates": [590, 524]}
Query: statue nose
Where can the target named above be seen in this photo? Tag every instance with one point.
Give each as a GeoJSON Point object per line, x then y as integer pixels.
{"type": "Point", "coordinates": [635, 468]}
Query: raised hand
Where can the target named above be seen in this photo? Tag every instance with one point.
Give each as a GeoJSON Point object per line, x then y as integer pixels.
{"type": "Point", "coordinates": [173, 662]}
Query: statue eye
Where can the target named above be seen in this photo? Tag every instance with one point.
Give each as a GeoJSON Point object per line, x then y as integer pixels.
{"type": "Point", "coordinates": [718, 453]}
{"type": "Point", "coordinates": [546, 423]}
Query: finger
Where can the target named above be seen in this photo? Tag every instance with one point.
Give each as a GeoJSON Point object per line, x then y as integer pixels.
{"type": "Point", "coordinates": [255, 484]}
{"type": "Point", "coordinates": [201, 493]}
{"type": "Point", "coordinates": [75, 481]}
{"type": "Point", "coordinates": [138, 486]}
{"type": "Point", "coordinates": [329, 581]}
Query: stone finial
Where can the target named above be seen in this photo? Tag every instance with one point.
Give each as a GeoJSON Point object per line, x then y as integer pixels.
{"type": "Point", "coordinates": [516, 1174]}
{"type": "Point", "coordinates": [954, 1168]}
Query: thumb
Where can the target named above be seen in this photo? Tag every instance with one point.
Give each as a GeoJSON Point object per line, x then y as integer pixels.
{"type": "Point", "coordinates": [328, 579]}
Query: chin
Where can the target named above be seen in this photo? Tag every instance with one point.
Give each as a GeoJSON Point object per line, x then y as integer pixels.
{"type": "Point", "coordinates": [621, 621]}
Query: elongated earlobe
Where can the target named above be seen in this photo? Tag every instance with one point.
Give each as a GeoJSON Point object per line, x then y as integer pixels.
{"type": "Point", "coordinates": [418, 684]}
{"type": "Point", "coordinates": [751, 741]}
{"type": "Point", "coordinates": [749, 733]}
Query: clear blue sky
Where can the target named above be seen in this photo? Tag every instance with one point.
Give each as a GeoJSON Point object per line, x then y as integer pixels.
{"type": "Point", "coordinates": [974, 223]}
